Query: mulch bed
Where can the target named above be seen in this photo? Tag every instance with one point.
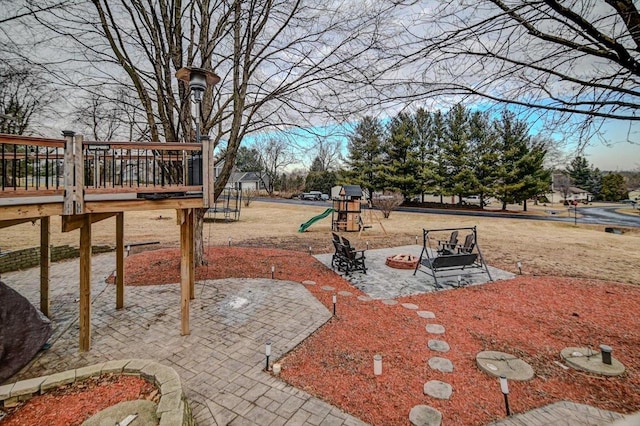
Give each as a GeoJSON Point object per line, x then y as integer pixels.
{"type": "Point", "coordinates": [72, 404]}
{"type": "Point", "coordinates": [530, 317]}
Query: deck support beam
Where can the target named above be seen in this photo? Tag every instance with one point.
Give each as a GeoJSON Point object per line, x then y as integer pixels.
{"type": "Point", "coordinates": [85, 284]}
{"type": "Point", "coordinates": [187, 273]}
{"type": "Point", "coordinates": [120, 260]}
{"type": "Point", "coordinates": [45, 264]}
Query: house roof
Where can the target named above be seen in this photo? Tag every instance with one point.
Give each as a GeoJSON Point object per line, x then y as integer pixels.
{"type": "Point", "coordinates": [244, 177]}
{"type": "Point", "coordinates": [576, 190]}
{"type": "Point", "coordinates": [351, 191]}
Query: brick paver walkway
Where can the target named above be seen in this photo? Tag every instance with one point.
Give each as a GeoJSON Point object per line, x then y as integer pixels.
{"type": "Point", "coordinates": [220, 363]}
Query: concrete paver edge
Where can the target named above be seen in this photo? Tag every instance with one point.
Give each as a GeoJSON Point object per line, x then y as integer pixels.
{"type": "Point", "coordinates": [25, 389]}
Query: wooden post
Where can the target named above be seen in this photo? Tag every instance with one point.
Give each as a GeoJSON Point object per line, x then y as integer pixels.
{"type": "Point", "coordinates": [69, 173]}
{"type": "Point", "coordinates": [192, 258]}
{"type": "Point", "coordinates": [79, 174]}
{"type": "Point", "coordinates": [208, 173]}
{"type": "Point", "coordinates": [120, 260]}
{"type": "Point", "coordinates": [85, 284]}
{"type": "Point", "coordinates": [185, 218]}
{"type": "Point", "coordinates": [45, 264]}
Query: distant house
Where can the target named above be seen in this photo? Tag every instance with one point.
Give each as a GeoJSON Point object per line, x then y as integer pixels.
{"type": "Point", "coordinates": [243, 180]}
{"type": "Point", "coordinates": [563, 192]}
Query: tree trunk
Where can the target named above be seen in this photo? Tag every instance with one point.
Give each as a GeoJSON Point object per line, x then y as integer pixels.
{"type": "Point", "coordinates": [199, 255]}
{"type": "Point", "coordinates": [524, 204]}
{"type": "Point", "coordinates": [504, 206]}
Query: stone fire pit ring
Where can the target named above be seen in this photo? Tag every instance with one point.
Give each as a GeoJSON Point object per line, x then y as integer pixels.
{"type": "Point", "coordinates": [402, 261]}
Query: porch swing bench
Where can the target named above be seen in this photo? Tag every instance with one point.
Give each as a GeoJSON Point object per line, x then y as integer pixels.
{"type": "Point", "coordinates": [450, 255]}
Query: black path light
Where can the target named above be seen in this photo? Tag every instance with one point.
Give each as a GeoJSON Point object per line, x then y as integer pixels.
{"type": "Point", "coordinates": [198, 79]}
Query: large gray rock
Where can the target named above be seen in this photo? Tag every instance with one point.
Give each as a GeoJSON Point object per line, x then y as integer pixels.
{"type": "Point", "coordinates": [23, 331]}
{"type": "Point", "coordinates": [423, 415]}
{"type": "Point", "coordinates": [438, 389]}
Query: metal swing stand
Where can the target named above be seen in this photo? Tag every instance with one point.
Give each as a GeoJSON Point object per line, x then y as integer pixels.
{"type": "Point", "coordinates": [450, 255]}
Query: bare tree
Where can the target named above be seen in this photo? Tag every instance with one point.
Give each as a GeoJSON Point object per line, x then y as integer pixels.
{"type": "Point", "coordinates": [275, 155]}
{"type": "Point", "coordinates": [282, 63]}
{"type": "Point", "coordinates": [574, 62]}
{"type": "Point", "coordinates": [387, 202]}
{"type": "Point", "coordinates": [328, 152]}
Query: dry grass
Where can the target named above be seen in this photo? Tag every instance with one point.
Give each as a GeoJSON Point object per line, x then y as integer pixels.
{"type": "Point", "coordinates": [544, 248]}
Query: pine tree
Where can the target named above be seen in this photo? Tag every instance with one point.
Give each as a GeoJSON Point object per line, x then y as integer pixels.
{"type": "Point", "coordinates": [426, 151]}
{"type": "Point", "coordinates": [484, 151]}
{"type": "Point", "coordinates": [580, 172]}
{"type": "Point", "coordinates": [513, 141]}
{"type": "Point", "coordinates": [400, 159]}
{"type": "Point", "coordinates": [459, 178]}
{"type": "Point", "coordinates": [365, 154]}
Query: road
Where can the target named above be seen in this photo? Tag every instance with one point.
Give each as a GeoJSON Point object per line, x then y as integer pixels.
{"type": "Point", "coordinates": [591, 215]}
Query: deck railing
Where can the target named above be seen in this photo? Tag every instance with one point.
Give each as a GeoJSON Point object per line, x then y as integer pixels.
{"type": "Point", "coordinates": [74, 168]}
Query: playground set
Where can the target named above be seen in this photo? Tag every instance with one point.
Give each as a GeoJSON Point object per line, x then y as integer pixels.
{"type": "Point", "coordinates": [346, 213]}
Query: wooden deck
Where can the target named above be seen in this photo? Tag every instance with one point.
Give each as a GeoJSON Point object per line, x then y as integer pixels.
{"type": "Point", "coordinates": [85, 182]}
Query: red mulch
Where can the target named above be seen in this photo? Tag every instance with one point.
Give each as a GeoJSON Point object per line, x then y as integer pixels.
{"type": "Point", "coordinates": [531, 317]}
{"type": "Point", "coordinates": [72, 404]}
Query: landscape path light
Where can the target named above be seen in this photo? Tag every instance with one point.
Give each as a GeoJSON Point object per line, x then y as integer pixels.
{"type": "Point", "coordinates": [504, 387]}
{"type": "Point", "coordinates": [267, 352]}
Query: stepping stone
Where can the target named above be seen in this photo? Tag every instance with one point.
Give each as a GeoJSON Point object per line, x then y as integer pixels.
{"type": "Point", "coordinates": [364, 298]}
{"type": "Point", "coordinates": [441, 364]}
{"type": "Point", "coordinates": [426, 314]}
{"type": "Point", "coordinates": [438, 389]}
{"type": "Point", "coordinates": [390, 302]}
{"type": "Point", "coordinates": [435, 329]}
{"type": "Point", "coordinates": [423, 415]}
{"type": "Point", "coordinates": [345, 293]}
{"type": "Point", "coordinates": [308, 282]}
{"type": "Point", "coordinates": [586, 359]}
{"type": "Point", "coordinates": [503, 364]}
{"type": "Point", "coordinates": [438, 345]}
{"type": "Point", "coordinates": [327, 288]}
{"type": "Point", "coordinates": [410, 306]}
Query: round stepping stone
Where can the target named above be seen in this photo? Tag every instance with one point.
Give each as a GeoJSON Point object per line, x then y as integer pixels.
{"type": "Point", "coordinates": [438, 389]}
{"type": "Point", "coordinates": [438, 345]}
{"type": "Point", "coordinates": [441, 364]}
{"type": "Point", "coordinates": [410, 306]}
{"type": "Point", "coordinates": [327, 288]}
{"type": "Point", "coordinates": [145, 410]}
{"type": "Point", "coordinates": [586, 359]}
{"type": "Point", "coordinates": [390, 302]}
{"type": "Point", "coordinates": [345, 293]}
{"type": "Point", "coordinates": [435, 329]}
{"type": "Point", "coordinates": [426, 314]}
{"type": "Point", "coordinates": [423, 415]}
{"type": "Point", "coordinates": [364, 298]}
{"type": "Point", "coordinates": [308, 282]}
{"type": "Point", "coordinates": [503, 364]}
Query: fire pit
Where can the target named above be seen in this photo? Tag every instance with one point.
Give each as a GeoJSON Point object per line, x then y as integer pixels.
{"type": "Point", "coordinates": [402, 261]}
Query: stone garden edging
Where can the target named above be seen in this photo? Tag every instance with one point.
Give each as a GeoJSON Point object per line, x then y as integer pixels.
{"type": "Point", "coordinates": [173, 407]}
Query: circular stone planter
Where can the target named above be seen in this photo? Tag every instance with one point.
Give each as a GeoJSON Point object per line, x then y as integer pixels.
{"type": "Point", "coordinates": [503, 364]}
{"type": "Point", "coordinates": [402, 261]}
{"type": "Point", "coordinates": [588, 360]}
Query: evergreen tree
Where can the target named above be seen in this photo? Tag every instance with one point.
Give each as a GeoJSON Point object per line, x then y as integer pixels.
{"type": "Point", "coordinates": [248, 160]}
{"type": "Point", "coordinates": [438, 163]}
{"type": "Point", "coordinates": [319, 179]}
{"type": "Point", "coordinates": [365, 154]}
{"type": "Point", "coordinates": [536, 179]}
{"type": "Point", "coordinates": [513, 141]}
{"type": "Point", "coordinates": [400, 159]}
{"type": "Point", "coordinates": [459, 178]}
{"type": "Point", "coordinates": [595, 183]}
{"type": "Point", "coordinates": [613, 187]}
{"type": "Point", "coordinates": [580, 172]}
{"type": "Point", "coordinates": [484, 151]}
{"type": "Point", "coordinates": [425, 151]}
